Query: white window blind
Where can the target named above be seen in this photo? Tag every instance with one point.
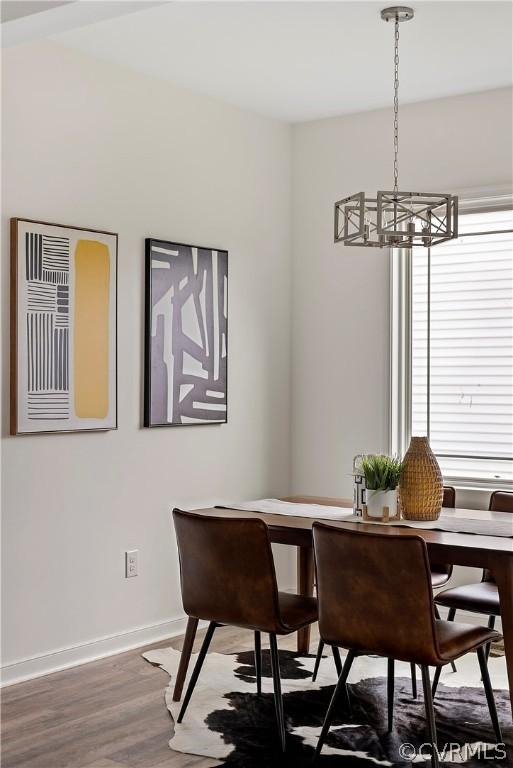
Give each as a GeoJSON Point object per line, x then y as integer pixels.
{"type": "Point", "coordinates": [462, 349]}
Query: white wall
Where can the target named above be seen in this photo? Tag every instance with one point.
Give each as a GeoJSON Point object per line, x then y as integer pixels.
{"type": "Point", "coordinates": [90, 144]}
{"type": "Point", "coordinates": [340, 320]}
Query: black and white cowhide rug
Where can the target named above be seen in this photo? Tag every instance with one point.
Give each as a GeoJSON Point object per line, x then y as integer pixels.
{"type": "Point", "coordinates": [228, 722]}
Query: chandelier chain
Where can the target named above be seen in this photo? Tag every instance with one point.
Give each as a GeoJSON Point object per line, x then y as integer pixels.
{"type": "Point", "coordinates": [396, 104]}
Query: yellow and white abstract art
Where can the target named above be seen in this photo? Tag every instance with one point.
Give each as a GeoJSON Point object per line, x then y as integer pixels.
{"type": "Point", "coordinates": [63, 328]}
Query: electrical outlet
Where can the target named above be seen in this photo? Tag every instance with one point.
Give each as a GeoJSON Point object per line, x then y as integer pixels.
{"type": "Point", "coordinates": [131, 563]}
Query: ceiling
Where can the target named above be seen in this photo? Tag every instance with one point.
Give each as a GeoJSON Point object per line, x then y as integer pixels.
{"type": "Point", "coordinates": [24, 21]}
{"type": "Point", "coordinates": [16, 9]}
{"type": "Point", "coordinates": [299, 61]}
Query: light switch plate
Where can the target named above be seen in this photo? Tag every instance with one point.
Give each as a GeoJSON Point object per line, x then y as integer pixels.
{"type": "Point", "coordinates": [131, 563]}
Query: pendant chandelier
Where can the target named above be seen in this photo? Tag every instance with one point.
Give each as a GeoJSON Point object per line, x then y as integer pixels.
{"type": "Point", "coordinates": [396, 219]}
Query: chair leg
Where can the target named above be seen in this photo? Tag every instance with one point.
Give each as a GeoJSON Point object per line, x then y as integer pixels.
{"type": "Point", "coordinates": [436, 679]}
{"type": "Point", "coordinates": [339, 688]}
{"type": "Point", "coordinates": [413, 673]}
{"type": "Point", "coordinates": [481, 655]}
{"type": "Point", "coordinates": [258, 662]}
{"type": "Point", "coordinates": [185, 657]}
{"type": "Point", "coordinates": [338, 665]}
{"type": "Point", "coordinates": [450, 617]}
{"type": "Point", "coordinates": [197, 669]}
{"type": "Point", "coordinates": [320, 649]}
{"type": "Point", "coordinates": [491, 625]}
{"type": "Point", "coordinates": [430, 715]}
{"type": "Point", "coordinates": [390, 693]}
{"type": "Point", "coordinates": [337, 659]}
{"type": "Point", "coordinates": [278, 698]}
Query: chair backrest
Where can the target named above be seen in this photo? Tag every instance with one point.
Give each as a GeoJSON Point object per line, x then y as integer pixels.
{"type": "Point", "coordinates": [500, 501]}
{"type": "Point", "coordinates": [449, 498]}
{"type": "Point", "coordinates": [227, 570]}
{"type": "Point", "coordinates": [374, 593]}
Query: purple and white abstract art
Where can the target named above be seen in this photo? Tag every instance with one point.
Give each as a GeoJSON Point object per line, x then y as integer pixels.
{"type": "Point", "coordinates": [186, 335]}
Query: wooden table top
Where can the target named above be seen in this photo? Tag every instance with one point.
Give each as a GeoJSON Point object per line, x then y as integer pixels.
{"type": "Point", "coordinates": [297, 530]}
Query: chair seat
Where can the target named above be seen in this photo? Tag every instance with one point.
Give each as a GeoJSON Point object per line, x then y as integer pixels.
{"type": "Point", "coordinates": [438, 579]}
{"type": "Point", "coordinates": [478, 598]}
{"type": "Point", "coordinates": [296, 611]}
{"type": "Point", "coordinates": [456, 639]}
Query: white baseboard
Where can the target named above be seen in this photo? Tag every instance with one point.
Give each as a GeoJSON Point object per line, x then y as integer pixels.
{"type": "Point", "coordinates": [74, 656]}
{"type": "Point", "coordinates": [83, 653]}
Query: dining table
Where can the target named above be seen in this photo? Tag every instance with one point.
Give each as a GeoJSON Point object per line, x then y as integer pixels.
{"type": "Point", "coordinates": [494, 553]}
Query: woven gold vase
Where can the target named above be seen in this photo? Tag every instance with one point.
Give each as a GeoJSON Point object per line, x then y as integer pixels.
{"type": "Point", "coordinates": [421, 484]}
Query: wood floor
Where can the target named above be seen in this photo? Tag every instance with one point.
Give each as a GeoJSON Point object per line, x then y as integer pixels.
{"type": "Point", "coordinates": [106, 714]}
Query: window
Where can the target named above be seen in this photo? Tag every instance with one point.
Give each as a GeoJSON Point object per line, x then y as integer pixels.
{"type": "Point", "coordinates": [452, 355]}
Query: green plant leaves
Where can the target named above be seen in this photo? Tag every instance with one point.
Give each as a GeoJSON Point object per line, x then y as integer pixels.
{"type": "Point", "coordinates": [381, 472]}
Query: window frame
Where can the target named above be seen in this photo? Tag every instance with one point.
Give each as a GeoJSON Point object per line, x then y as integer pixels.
{"type": "Point", "coordinates": [400, 373]}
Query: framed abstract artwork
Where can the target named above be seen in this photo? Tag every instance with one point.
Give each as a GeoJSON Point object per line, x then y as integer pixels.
{"type": "Point", "coordinates": [186, 344]}
{"type": "Point", "coordinates": [63, 328]}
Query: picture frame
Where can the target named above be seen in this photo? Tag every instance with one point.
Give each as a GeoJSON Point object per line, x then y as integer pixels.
{"type": "Point", "coordinates": [186, 334]}
{"type": "Point", "coordinates": [63, 328]}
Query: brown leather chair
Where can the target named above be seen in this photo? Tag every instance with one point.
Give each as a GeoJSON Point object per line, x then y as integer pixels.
{"type": "Point", "coordinates": [228, 577]}
{"type": "Point", "coordinates": [440, 575]}
{"type": "Point", "coordinates": [476, 598]}
{"type": "Point", "coordinates": [386, 608]}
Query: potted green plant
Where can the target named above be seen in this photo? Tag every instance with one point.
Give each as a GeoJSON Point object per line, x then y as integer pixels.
{"type": "Point", "coordinates": [382, 475]}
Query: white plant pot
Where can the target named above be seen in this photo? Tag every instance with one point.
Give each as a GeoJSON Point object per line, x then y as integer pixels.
{"type": "Point", "coordinates": [378, 500]}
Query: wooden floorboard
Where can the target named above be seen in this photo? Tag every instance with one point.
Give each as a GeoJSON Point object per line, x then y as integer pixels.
{"type": "Point", "coordinates": [106, 714]}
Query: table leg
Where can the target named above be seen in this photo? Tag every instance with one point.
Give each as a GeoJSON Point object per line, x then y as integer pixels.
{"type": "Point", "coordinates": [188, 642]}
{"type": "Point", "coordinates": [305, 585]}
{"type": "Point", "coordinates": [504, 578]}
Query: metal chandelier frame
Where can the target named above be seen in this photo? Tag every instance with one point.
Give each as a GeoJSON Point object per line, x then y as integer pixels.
{"type": "Point", "coordinates": [396, 219]}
